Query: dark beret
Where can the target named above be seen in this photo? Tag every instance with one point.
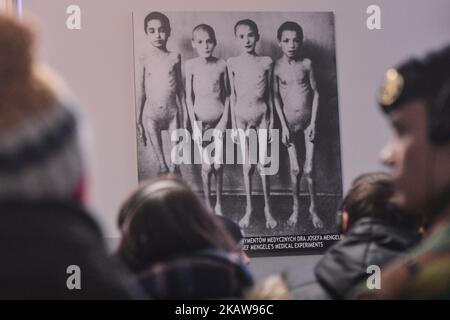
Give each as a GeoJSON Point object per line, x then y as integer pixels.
{"type": "Point", "coordinates": [415, 79]}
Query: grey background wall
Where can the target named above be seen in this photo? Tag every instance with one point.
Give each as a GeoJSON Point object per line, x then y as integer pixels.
{"type": "Point", "coordinates": [97, 62]}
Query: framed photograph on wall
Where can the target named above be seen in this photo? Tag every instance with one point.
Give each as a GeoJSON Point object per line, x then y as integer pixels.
{"type": "Point", "coordinates": [244, 107]}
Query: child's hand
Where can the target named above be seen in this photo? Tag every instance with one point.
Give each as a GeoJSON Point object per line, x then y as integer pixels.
{"type": "Point", "coordinates": [185, 122]}
{"type": "Point", "coordinates": [269, 133]}
{"type": "Point", "coordinates": [234, 135]}
{"type": "Point", "coordinates": [311, 132]}
{"type": "Point", "coordinates": [141, 133]}
{"type": "Point", "coordinates": [285, 137]}
{"type": "Point", "coordinates": [220, 135]}
{"type": "Point", "coordinates": [197, 135]}
{"type": "Point", "coordinates": [221, 126]}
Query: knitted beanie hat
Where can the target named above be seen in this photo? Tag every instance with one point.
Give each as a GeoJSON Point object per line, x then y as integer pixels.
{"type": "Point", "coordinates": [39, 152]}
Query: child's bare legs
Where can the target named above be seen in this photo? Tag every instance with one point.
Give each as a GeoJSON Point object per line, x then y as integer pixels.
{"type": "Point", "coordinates": [206, 182]}
{"type": "Point", "coordinates": [301, 152]}
{"type": "Point", "coordinates": [173, 125]}
{"type": "Point", "coordinates": [296, 174]}
{"type": "Point", "coordinates": [218, 172]}
{"type": "Point", "coordinates": [207, 172]}
{"type": "Point", "coordinates": [154, 133]}
{"type": "Point", "coordinates": [248, 170]}
{"type": "Point", "coordinates": [309, 171]}
{"type": "Point", "coordinates": [270, 221]}
{"type": "Point", "coordinates": [216, 168]}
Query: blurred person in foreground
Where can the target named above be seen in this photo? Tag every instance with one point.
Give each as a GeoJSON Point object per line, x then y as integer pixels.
{"type": "Point", "coordinates": [374, 231]}
{"type": "Point", "coordinates": [176, 247]}
{"type": "Point", "coordinates": [50, 247]}
{"type": "Point", "coordinates": [416, 98]}
{"type": "Point", "coordinates": [236, 235]}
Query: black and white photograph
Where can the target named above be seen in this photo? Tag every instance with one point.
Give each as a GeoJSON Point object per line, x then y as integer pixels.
{"type": "Point", "coordinates": [243, 106]}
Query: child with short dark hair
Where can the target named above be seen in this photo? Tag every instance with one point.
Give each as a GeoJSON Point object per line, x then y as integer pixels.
{"type": "Point", "coordinates": [160, 91]}
{"type": "Point", "coordinates": [296, 101]}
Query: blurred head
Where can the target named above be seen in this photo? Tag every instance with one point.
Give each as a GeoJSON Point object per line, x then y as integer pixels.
{"type": "Point", "coordinates": [39, 151]}
{"type": "Point", "coordinates": [16, 50]}
{"type": "Point", "coordinates": [246, 31]}
{"type": "Point", "coordinates": [236, 234]}
{"type": "Point", "coordinates": [290, 38]}
{"type": "Point", "coordinates": [164, 219]}
{"type": "Point", "coordinates": [416, 98]}
{"type": "Point", "coordinates": [157, 28]}
{"type": "Point", "coordinates": [371, 196]}
{"type": "Point", "coordinates": [204, 40]}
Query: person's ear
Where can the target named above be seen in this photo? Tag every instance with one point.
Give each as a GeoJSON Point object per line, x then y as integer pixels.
{"type": "Point", "coordinates": [345, 219]}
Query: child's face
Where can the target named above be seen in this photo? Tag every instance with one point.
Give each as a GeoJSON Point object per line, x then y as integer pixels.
{"type": "Point", "coordinates": [290, 43]}
{"type": "Point", "coordinates": [203, 43]}
{"type": "Point", "coordinates": [247, 38]}
{"type": "Point", "coordinates": [157, 34]}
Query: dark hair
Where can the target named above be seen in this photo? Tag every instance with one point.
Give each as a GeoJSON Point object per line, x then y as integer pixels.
{"type": "Point", "coordinates": [208, 29]}
{"type": "Point", "coordinates": [370, 196]}
{"type": "Point", "coordinates": [247, 22]}
{"type": "Point", "coordinates": [290, 26]}
{"type": "Point", "coordinates": [427, 79]}
{"type": "Point", "coordinates": [232, 228]}
{"type": "Point", "coordinates": [163, 219]}
{"type": "Point", "coordinates": [155, 15]}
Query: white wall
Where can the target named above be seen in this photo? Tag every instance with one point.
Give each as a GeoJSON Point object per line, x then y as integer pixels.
{"type": "Point", "coordinates": [97, 62]}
